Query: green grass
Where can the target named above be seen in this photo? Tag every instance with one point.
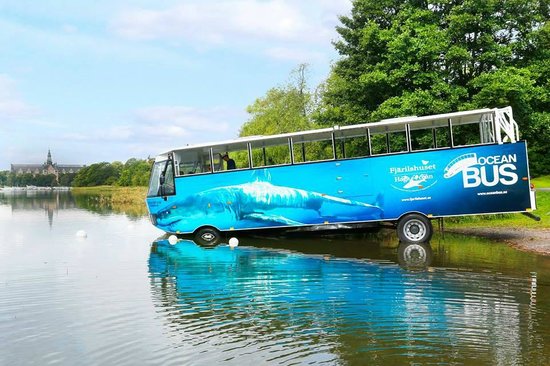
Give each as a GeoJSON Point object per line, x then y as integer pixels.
{"type": "Point", "coordinates": [541, 182]}
{"type": "Point", "coordinates": [129, 200]}
{"type": "Point", "coordinates": [508, 220]}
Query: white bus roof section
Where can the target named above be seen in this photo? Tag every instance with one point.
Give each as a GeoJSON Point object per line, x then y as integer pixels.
{"type": "Point", "coordinates": [381, 127]}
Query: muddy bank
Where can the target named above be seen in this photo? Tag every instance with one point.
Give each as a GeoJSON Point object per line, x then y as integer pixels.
{"type": "Point", "coordinates": [532, 240]}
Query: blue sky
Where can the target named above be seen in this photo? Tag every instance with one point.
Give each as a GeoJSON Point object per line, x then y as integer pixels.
{"type": "Point", "coordinates": [108, 80]}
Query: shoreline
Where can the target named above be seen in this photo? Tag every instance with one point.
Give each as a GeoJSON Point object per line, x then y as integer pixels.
{"type": "Point", "coordinates": [526, 239]}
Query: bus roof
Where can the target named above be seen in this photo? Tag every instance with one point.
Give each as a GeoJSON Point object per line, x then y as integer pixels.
{"type": "Point", "coordinates": [384, 126]}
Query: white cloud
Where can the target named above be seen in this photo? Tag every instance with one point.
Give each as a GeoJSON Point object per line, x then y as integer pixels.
{"type": "Point", "coordinates": [168, 125]}
{"type": "Point", "coordinates": [68, 40]}
{"type": "Point", "coordinates": [12, 106]}
{"type": "Point", "coordinates": [149, 131]}
{"type": "Point", "coordinates": [263, 24]}
{"type": "Point", "coordinates": [216, 22]}
{"type": "Point", "coordinates": [293, 54]}
{"type": "Point", "coordinates": [181, 121]}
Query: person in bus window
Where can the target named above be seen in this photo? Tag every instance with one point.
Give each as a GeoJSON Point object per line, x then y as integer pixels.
{"type": "Point", "coordinates": [229, 162]}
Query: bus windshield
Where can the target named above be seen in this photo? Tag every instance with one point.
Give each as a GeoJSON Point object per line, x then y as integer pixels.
{"type": "Point", "coordinates": [162, 179]}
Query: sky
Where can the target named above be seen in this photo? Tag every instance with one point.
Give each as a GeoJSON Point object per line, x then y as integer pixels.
{"type": "Point", "coordinates": [108, 80]}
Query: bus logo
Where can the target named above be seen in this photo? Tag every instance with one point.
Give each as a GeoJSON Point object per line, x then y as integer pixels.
{"type": "Point", "coordinates": [460, 163]}
{"type": "Point", "coordinates": [412, 178]}
{"type": "Point", "coordinates": [485, 170]}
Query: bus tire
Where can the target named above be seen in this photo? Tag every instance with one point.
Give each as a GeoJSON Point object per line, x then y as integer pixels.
{"type": "Point", "coordinates": [207, 237]}
{"type": "Point", "coordinates": [414, 228]}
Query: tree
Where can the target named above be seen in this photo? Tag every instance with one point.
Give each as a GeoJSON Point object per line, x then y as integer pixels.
{"type": "Point", "coordinates": [288, 108]}
{"type": "Point", "coordinates": [414, 57]}
{"type": "Point", "coordinates": [135, 172]}
{"type": "Point", "coordinates": [98, 174]}
{"type": "Point", "coordinates": [4, 177]}
{"type": "Point", "coordinates": [66, 180]}
{"type": "Point", "coordinates": [283, 109]}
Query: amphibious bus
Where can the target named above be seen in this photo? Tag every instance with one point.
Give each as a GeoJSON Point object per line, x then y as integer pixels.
{"type": "Point", "coordinates": [404, 171]}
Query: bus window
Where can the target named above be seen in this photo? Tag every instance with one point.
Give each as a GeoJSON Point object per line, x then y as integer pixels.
{"type": "Point", "coordinates": [162, 179]}
{"type": "Point", "coordinates": [237, 152]}
{"type": "Point", "coordinates": [442, 137]}
{"type": "Point", "coordinates": [313, 147]}
{"type": "Point", "coordinates": [352, 147]}
{"type": "Point", "coordinates": [388, 142]}
{"type": "Point", "coordinates": [313, 151]}
{"type": "Point", "coordinates": [167, 187]}
{"type": "Point", "coordinates": [422, 139]}
{"type": "Point", "coordinates": [466, 134]}
{"type": "Point", "coordinates": [192, 162]}
{"type": "Point", "coordinates": [154, 182]}
{"type": "Point", "coordinates": [270, 155]}
{"type": "Point", "coordinates": [397, 141]}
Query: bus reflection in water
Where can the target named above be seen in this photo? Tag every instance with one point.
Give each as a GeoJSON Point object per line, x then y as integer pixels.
{"type": "Point", "coordinates": [405, 171]}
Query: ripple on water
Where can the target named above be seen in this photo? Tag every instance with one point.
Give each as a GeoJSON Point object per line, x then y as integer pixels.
{"type": "Point", "coordinates": [287, 307]}
{"type": "Point", "coordinates": [109, 300]}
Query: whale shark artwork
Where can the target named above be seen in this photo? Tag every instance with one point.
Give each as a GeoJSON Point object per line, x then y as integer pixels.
{"type": "Point", "coordinates": [260, 204]}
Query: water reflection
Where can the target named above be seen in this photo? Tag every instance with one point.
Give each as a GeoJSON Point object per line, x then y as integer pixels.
{"type": "Point", "coordinates": [272, 302]}
{"type": "Point", "coordinates": [52, 201]}
{"type": "Point", "coordinates": [29, 200]}
{"type": "Point", "coordinates": [112, 298]}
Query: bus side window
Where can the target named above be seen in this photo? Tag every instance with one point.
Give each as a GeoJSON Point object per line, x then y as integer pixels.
{"type": "Point", "coordinates": [270, 155]}
{"type": "Point", "coordinates": [467, 134]}
{"type": "Point", "coordinates": [352, 147]}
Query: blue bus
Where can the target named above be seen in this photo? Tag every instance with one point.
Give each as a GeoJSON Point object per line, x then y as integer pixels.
{"type": "Point", "coordinates": [404, 171]}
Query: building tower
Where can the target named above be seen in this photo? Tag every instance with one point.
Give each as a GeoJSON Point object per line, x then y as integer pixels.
{"type": "Point", "coordinates": [49, 160]}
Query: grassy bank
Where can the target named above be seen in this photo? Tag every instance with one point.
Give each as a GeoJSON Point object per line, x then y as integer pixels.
{"type": "Point", "coordinates": [508, 220]}
{"type": "Point", "coordinates": [512, 220]}
{"type": "Point", "coordinates": [128, 200]}
{"type": "Point", "coordinates": [541, 182]}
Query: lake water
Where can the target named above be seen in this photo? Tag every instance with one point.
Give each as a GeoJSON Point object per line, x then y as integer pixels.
{"type": "Point", "coordinates": [122, 297]}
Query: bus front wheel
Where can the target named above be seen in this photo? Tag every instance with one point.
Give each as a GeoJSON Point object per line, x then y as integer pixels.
{"type": "Point", "coordinates": [414, 228]}
{"type": "Point", "coordinates": [207, 236]}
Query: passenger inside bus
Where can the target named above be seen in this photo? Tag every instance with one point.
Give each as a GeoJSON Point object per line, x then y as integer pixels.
{"type": "Point", "coordinates": [229, 162]}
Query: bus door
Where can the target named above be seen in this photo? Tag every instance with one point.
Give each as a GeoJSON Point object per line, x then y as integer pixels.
{"type": "Point", "coordinates": [162, 179]}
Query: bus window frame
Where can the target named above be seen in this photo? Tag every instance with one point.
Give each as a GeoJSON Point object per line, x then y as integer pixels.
{"type": "Point", "coordinates": [159, 191]}
{"type": "Point", "coordinates": [339, 134]}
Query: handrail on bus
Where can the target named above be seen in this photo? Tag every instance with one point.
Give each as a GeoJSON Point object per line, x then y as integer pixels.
{"type": "Point", "coordinates": [505, 125]}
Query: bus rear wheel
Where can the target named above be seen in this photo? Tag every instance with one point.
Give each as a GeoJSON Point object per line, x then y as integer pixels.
{"type": "Point", "coordinates": [414, 228]}
{"type": "Point", "coordinates": [207, 237]}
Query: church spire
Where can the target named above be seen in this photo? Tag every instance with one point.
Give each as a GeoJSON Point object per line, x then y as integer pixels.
{"type": "Point", "coordinates": [49, 161]}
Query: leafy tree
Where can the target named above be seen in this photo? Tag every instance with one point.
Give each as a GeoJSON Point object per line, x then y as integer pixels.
{"type": "Point", "coordinates": [66, 180]}
{"type": "Point", "coordinates": [283, 109]}
{"type": "Point", "coordinates": [27, 179]}
{"type": "Point", "coordinates": [288, 108]}
{"type": "Point", "coordinates": [135, 172]}
{"type": "Point", "coordinates": [414, 57]}
{"type": "Point", "coordinates": [4, 177]}
{"type": "Point", "coordinates": [98, 174]}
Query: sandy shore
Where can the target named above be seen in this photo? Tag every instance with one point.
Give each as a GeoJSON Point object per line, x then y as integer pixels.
{"type": "Point", "coordinates": [532, 240]}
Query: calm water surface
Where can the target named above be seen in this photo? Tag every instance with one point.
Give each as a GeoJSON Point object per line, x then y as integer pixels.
{"type": "Point", "coordinates": [122, 296]}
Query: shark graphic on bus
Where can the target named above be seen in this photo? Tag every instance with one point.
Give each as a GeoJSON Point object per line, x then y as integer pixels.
{"type": "Point", "coordinates": [261, 203]}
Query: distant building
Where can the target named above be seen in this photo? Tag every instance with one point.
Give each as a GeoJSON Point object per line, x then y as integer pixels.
{"type": "Point", "coordinates": [48, 167]}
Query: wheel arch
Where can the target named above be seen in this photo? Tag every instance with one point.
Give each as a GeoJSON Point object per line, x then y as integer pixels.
{"type": "Point", "coordinates": [194, 232]}
{"type": "Point", "coordinates": [412, 212]}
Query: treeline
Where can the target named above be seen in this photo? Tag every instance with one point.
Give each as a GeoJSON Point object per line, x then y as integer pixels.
{"type": "Point", "coordinates": [135, 172]}
{"type": "Point", "coordinates": [10, 179]}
